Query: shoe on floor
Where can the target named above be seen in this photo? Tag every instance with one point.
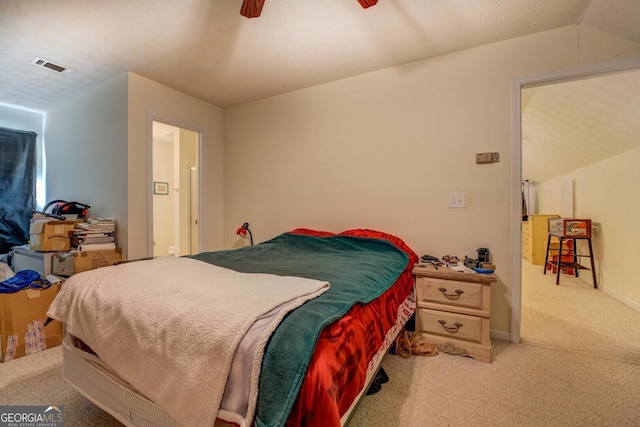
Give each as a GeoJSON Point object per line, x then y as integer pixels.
{"type": "Point", "coordinates": [374, 388]}
{"type": "Point", "coordinates": [381, 376]}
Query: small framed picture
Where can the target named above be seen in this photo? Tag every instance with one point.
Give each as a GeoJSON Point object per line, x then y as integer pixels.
{"type": "Point", "coordinates": [161, 188]}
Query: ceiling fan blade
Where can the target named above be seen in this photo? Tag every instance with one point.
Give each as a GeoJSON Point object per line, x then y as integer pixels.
{"type": "Point", "coordinates": [251, 8]}
{"type": "Point", "coordinates": [367, 3]}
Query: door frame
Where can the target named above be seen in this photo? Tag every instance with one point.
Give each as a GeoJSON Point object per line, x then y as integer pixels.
{"type": "Point", "coordinates": [151, 117]}
{"type": "Point", "coordinates": [566, 74]}
{"type": "Point", "coordinates": [193, 182]}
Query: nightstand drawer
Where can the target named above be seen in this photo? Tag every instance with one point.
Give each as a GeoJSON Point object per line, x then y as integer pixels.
{"type": "Point", "coordinates": [449, 292]}
{"type": "Point", "coordinates": [454, 325]}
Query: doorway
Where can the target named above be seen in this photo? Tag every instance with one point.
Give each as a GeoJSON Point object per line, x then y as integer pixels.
{"type": "Point", "coordinates": [175, 200]}
{"type": "Point", "coordinates": [518, 158]}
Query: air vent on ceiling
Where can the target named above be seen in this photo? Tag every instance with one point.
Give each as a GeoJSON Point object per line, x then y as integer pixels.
{"type": "Point", "coordinates": [43, 63]}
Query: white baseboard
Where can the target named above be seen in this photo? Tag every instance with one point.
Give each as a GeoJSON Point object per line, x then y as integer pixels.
{"type": "Point", "coordinates": [500, 335]}
{"type": "Point", "coordinates": [626, 301]}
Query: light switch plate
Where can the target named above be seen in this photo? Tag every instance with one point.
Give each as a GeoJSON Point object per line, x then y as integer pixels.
{"type": "Point", "coordinates": [456, 200]}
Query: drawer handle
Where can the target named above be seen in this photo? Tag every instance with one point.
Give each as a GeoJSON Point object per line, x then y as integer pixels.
{"type": "Point", "coordinates": [458, 292]}
{"type": "Point", "coordinates": [452, 329]}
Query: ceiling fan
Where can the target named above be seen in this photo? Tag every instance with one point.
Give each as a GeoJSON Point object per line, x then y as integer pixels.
{"type": "Point", "coordinates": [253, 8]}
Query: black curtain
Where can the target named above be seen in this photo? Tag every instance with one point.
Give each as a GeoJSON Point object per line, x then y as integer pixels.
{"type": "Point", "coordinates": [17, 186]}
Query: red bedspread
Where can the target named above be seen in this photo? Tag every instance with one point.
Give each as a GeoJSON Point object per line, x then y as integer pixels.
{"type": "Point", "coordinates": [337, 371]}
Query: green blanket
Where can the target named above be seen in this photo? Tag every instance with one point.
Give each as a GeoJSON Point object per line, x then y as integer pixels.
{"type": "Point", "coordinates": [358, 269]}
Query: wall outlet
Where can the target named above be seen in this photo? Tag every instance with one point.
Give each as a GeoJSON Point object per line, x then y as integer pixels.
{"type": "Point", "coordinates": [456, 200]}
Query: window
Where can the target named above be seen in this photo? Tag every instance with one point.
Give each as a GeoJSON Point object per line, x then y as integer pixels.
{"type": "Point", "coordinates": [17, 186]}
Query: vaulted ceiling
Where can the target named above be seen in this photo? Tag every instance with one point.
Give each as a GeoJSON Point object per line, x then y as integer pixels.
{"type": "Point", "coordinates": [569, 125]}
{"type": "Point", "coordinates": [207, 49]}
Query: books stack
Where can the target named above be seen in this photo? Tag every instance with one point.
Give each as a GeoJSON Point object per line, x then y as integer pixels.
{"type": "Point", "coordinates": [95, 234]}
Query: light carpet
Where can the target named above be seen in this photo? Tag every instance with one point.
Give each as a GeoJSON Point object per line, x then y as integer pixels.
{"type": "Point", "coordinates": [578, 365]}
{"type": "Point", "coordinates": [573, 317]}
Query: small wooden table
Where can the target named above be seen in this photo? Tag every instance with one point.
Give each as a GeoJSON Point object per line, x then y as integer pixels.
{"type": "Point", "coordinates": [575, 265]}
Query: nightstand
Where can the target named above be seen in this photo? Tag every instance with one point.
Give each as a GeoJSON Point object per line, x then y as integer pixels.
{"type": "Point", "coordinates": [455, 307]}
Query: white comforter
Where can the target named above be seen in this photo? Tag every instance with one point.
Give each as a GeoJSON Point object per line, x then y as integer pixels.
{"type": "Point", "coordinates": [170, 326]}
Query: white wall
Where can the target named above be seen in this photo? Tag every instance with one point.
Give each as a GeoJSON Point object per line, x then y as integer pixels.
{"type": "Point", "coordinates": [383, 150]}
{"type": "Point", "coordinates": [86, 151]}
{"type": "Point", "coordinates": [97, 151]}
{"type": "Point", "coordinates": [607, 193]}
{"type": "Point", "coordinates": [14, 117]}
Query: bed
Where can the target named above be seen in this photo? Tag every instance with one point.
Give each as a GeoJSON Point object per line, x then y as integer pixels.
{"type": "Point", "coordinates": [301, 359]}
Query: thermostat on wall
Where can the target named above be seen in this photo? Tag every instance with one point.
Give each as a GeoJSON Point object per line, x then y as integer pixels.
{"type": "Point", "coordinates": [487, 157]}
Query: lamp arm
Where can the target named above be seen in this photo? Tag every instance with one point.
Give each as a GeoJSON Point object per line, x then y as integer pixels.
{"type": "Point", "coordinates": [250, 235]}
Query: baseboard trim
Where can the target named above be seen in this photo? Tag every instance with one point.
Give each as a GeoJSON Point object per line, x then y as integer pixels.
{"type": "Point", "coordinates": [500, 335]}
{"type": "Point", "coordinates": [626, 301]}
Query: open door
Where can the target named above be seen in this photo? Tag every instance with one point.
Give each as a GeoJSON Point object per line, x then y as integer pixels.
{"type": "Point", "coordinates": [176, 204]}
{"type": "Point", "coordinates": [518, 100]}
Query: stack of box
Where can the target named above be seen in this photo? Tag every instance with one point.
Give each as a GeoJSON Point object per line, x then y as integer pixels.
{"type": "Point", "coordinates": [23, 313]}
{"type": "Point", "coordinates": [64, 248]}
{"type": "Point", "coordinates": [46, 236]}
{"type": "Point", "coordinates": [93, 246]}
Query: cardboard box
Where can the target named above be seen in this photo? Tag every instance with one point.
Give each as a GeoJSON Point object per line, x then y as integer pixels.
{"type": "Point", "coordinates": [26, 259]}
{"type": "Point", "coordinates": [63, 264]}
{"type": "Point", "coordinates": [22, 318]}
{"type": "Point", "coordinates": [90, 260]}
{"type": "Point", "coordinates": [50, 236]}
